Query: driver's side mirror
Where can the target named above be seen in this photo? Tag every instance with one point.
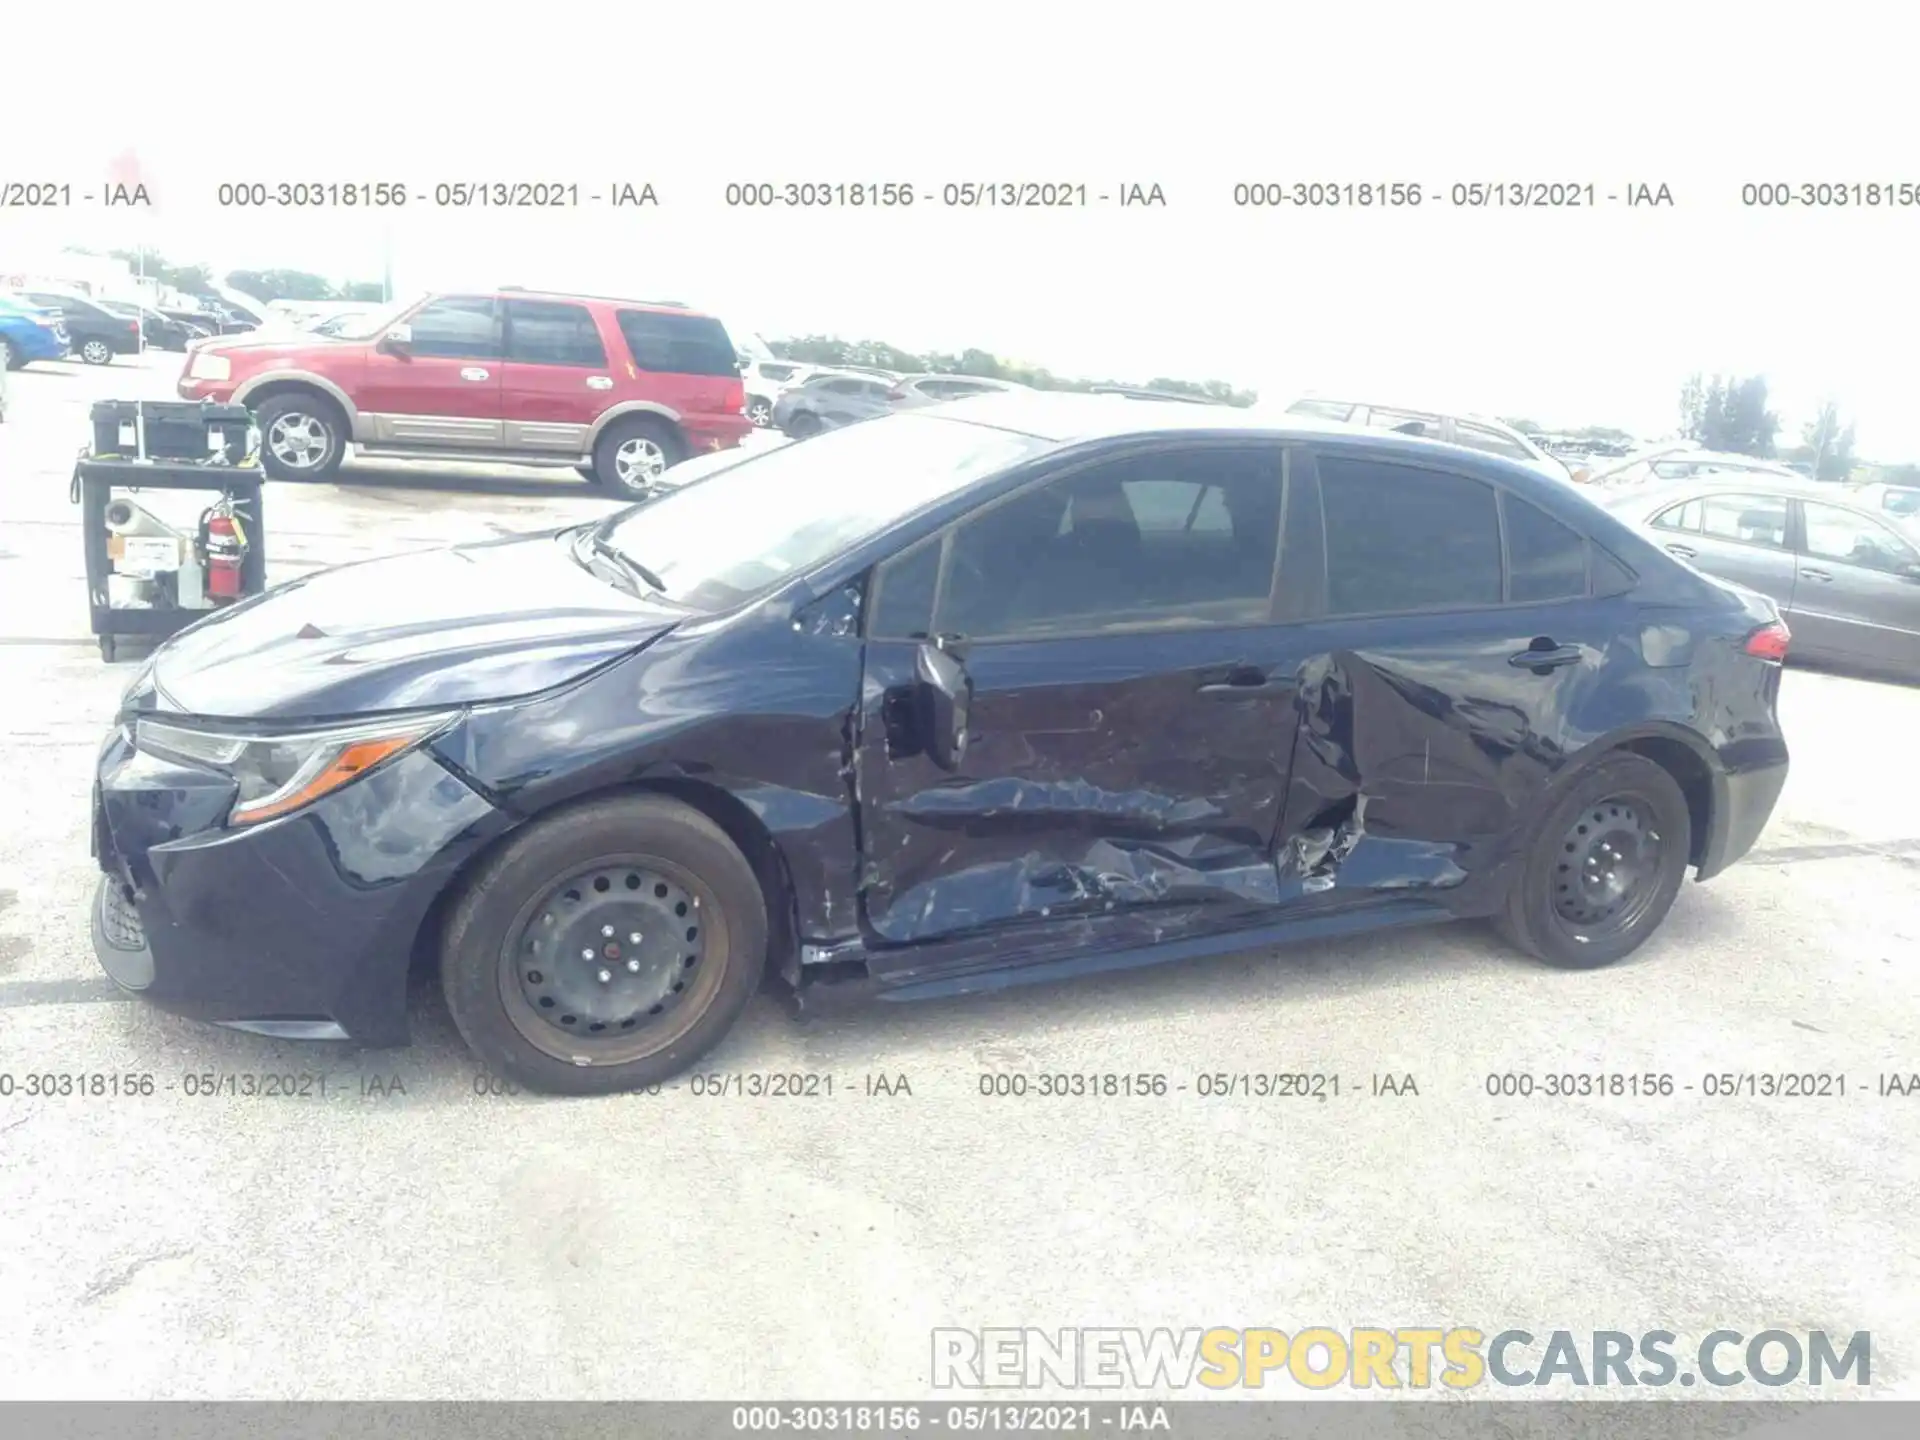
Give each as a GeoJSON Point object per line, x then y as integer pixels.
{"type": "Point", "coordinates": [945, 698]}
{"type": "Point", "coordinates": [398, 339]}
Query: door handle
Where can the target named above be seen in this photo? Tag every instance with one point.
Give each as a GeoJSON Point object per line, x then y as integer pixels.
{"type": "Point", "coordinates": [1685, 552]}
{"type": "Point", "coordinates": [1547, 657]}
{"type": "Point", "coordinates": [473, 372]}
{"type": "Point", "coordinates": [1240, 683]}
{"type": "Point", "coordinates": [1821, 575]}
{"type": "Point", "coordinates": [599, 382]}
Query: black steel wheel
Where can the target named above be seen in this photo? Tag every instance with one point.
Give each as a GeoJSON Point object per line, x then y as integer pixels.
{"type": "Point", "coordinates": [1605, 864]}
{"type": "Point", "coordinates": [605, 948]}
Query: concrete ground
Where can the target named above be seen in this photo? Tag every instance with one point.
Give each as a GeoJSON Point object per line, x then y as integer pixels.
{"type": "Point", "coordinates": [405, 1235]}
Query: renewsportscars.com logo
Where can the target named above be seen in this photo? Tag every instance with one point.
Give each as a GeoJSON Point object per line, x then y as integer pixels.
{"type": "Point", "coordinates": [1458, 1357]}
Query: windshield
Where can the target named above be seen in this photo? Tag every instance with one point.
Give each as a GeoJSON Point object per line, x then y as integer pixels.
{"type": "Point", "coordinates": [776, 515]}
{"type": "Point", "coordinates": [366, 326]}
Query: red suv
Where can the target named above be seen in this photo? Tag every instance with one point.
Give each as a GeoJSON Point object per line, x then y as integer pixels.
{"type": "Point", "coordinates": [620, 389]}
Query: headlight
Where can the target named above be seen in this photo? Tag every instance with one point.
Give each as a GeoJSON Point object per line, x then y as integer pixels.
{"type": "Point", "coordinates": [280, 773]}
{"type": "Point", "coordinates": [209, 367]}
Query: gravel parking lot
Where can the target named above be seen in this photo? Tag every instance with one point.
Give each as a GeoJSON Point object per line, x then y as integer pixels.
{"type": "Point", "coordinates": [396, 1231]}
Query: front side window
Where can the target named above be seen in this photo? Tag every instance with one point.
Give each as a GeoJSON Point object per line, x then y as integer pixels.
{"type": "Point", "coordinates": [549, 332]}
{"type": "Point", "coordinates": [1747, 519]}
{"type": "Point", "coordinates": [1174, 539]}
{"type": "Point", "coordinates": [768, 518]}
{"type": "Point", "coordinates": [458, 327]}
{"type": "Point", "coordinates": [1402, 538]}
{"type": "Point", "coordinates": [1836, 534]}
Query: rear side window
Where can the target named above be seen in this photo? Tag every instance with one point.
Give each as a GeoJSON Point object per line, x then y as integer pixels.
{"type": "Point", "coordinates": [547, 332]}
{"type": "Point", "coordinates": [1545, 559]}
{"type": "Point", "coordinates": [1403, 538]}
{"type": "Point", "coordinates": [677, 343]}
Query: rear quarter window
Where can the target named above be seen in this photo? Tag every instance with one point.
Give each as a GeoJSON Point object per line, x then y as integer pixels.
{"type": "Point", "coordinates": [678, 344]}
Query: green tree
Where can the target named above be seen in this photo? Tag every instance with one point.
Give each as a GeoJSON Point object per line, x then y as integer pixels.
{"type": "Point", "coordinates": [1729, 415]}
{"type": "Point", "coordinates": [282, 285]}
{"type": "Point", "coordinates": [1830, 445]}
{"type": "Point", "coordinates": [371, 291]}
{"type": "Point", "coordinates": [190, 279]}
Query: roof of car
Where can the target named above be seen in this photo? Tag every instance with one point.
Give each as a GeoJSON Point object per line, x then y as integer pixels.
{"type": "Point", "coordinates": [510, 292]}
{"type": "Point", "coordinates": [1069, 417]}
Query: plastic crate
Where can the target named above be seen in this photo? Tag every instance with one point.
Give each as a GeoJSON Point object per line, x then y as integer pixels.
{"type": "Point", "coordinates": [176, 431]}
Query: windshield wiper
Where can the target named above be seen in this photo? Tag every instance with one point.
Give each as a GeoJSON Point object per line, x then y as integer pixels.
{"type": "Point", "coordinates": [625, 563]}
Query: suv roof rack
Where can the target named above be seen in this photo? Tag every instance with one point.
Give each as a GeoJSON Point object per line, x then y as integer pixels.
{"type": "Point", "coordinates": [583, 295]}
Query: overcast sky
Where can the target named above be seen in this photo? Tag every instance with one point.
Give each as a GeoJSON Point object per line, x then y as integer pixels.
{"type": "Point", "coordinates": [1567, 317]}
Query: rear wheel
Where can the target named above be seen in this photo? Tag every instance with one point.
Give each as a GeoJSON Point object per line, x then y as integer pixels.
{"type": "Point", "coordinates": [1606, 862]}
{"type": "Point", "coordinates": [760, 410]}
{"type": "Point", "coordinates": [802, 424]}
{"type": "Point", "coordinates": [96, 352]}
{"type": "Point", "coordinates": [607, 948]}
{"type": "Point", "coordinates": [634, 453]}
{"type": "Point", "coordinates": [9, 356]}
{"type": "Point", "coordinates": [302, 437]}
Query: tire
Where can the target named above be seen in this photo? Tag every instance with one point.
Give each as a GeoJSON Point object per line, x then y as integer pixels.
{"type": "Point", "coordinates": [801, 424]}
{"type": "Point", "coordinates": [662, 863]}
{"type": "Point", "coordinates": [96, 352]}
{"type": "Point", "coordinates": [109, 649]}
{"type": "Point", "coordinates": [633, 453]}
{"type": "Point", "coordinates": [301, 424]}
{"type": "Point", "coordinates": [760, 411]}
{"type": "Point", "coordinates": [9, 356]}
{"type": "Point", "coordinates": [1624, 814]}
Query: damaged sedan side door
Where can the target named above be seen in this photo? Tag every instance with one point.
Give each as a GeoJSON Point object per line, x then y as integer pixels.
{"type": "Point", "coordinates": [1078, 708]}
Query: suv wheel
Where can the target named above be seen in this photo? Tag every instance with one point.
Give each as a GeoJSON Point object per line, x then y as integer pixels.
{"type": "Point", "coordinates": [97, 352]}
{"type": "Point", "coordinates": [1604, 867]}
{"type": "Point", "coordinates": [607, 947]}
{"type": "Point", "coordinates": [633, 454]}
{"type": "Point", "coordinates": [302, 437]}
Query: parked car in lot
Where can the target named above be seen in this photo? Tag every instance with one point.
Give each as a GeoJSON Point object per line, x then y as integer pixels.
{"type": "Point", "coordinates": [964, 696]}
{"type": "Point", "coordinates": [1900, 501]}
{"type": "Point", "coordinates": [1681, 460]}
{"type": "Point", "coordinates": [1476, 432]}
{"type": "Point", "coordinates": [161, 332]}
{"type": "Point", "coordinates": [29, 333]}
{"type": "Point", "coordinates": [763, 381]}
{"type": "Point", "coordinates": [207, 321]}
{"type": "Point", "coordinates": [624, 388]}
{"type": "Point", "coordinates": [828, 401]}
{"type": "Point", "coordinates": [916, 390]}
{"type": "Point", "coordinates": [1844, 574]}
{"type": "Point", "coordinates": [95, 333]}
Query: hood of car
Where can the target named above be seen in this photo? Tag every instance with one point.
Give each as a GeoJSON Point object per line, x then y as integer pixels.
{"type": "Point", "coordinates": [455, 626]}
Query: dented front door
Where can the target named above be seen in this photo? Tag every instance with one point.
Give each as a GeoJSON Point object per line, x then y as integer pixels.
{"type": "Point", "coordinates": [1104, 774]}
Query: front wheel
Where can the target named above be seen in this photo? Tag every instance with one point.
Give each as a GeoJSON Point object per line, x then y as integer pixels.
{"type": "Point", "coordinates": [301, 437]}
{"type": "Point", "coordinates": [630, 458]}
{"type": "Point", "coordinates": [607, 948]}
{"type": "Point", "coordinates": [97, 352]}
{"type": "Point", "coordinates": [1606, 862]}
{"type": "Point", "coordinates": [760, 411]}
{"type": "Point", "coordinates": [9, 356]}
{"type": "Point", "coordinates": [802, 424]}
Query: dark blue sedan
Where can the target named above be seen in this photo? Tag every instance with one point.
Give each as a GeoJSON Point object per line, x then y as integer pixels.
{"type": "Point", "coordinates": [1008, 689]}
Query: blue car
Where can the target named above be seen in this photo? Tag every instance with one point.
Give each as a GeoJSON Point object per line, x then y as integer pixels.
{"type": "Point", "coordinates": [28, 333]}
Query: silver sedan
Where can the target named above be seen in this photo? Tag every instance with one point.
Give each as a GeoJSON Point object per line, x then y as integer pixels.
{"type": "Point", "coordinates": [1846, 576]}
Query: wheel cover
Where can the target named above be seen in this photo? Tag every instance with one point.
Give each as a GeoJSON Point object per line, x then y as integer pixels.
{"type": "Point", "coordinates": [1607, 872]}
{"type": "Point", "coordinates": [298, 440]}
{"type": "Point", "coordinates": [638, 462]}
{"type": "Point", "coordinates": [94, 351]}
{"type": "Point", "coordinates": [759, 412]}
{"type": "Point", "coordinates": [614, 962]}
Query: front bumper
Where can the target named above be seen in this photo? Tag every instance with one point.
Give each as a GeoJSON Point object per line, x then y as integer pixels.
{"type": "Point", "coordinates": [304, 926]}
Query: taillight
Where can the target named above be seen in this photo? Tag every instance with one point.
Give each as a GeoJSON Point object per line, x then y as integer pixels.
{"type": "Point", "coordinates": [1769, 643]}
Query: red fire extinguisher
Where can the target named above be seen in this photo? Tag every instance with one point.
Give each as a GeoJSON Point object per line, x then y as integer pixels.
{"type": "Point", "coordinates": [225, 544]}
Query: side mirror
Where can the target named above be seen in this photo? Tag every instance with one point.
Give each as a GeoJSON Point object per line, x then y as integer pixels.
{"type": "Point", "coordinates": [397, 340]}
{"type": "Point", "coordinates": [946, 695]}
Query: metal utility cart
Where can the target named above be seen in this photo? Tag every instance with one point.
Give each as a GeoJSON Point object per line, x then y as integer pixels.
{"type": "Point", "coordinates": [151, 577]}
